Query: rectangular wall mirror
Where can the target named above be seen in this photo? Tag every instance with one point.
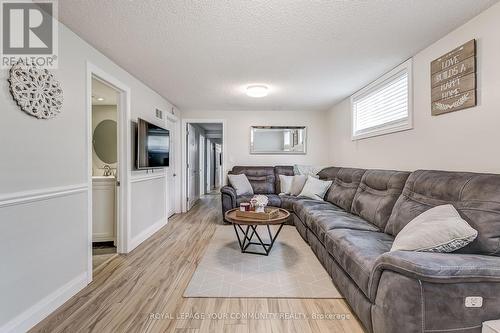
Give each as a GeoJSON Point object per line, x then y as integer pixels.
{"type": "Point", "coordinates": [278, 140]}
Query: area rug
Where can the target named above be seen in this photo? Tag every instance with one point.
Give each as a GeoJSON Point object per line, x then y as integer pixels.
{"type": "Point", "coordinates": [290, 271]}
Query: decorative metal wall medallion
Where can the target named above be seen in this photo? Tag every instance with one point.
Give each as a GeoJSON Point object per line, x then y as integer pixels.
{"type": "Point", "coordinates": [35, 90]}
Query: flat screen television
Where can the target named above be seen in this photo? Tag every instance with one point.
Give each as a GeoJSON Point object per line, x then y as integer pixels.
{"type": "Point", "coordinates": [153, 146]}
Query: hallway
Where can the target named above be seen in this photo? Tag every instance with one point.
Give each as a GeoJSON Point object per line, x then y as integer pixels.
{"type": "Point", "coordinates": [128, 291]}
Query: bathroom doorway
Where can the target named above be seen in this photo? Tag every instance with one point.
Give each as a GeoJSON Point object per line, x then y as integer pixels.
{"type": "Point", "coordinates": [104, 171]}
{"type": "Point", "coordinates": [107, 173]}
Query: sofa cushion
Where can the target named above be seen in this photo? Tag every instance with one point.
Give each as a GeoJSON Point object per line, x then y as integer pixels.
{"type": "Point", "coordinates": [356, 252]}
{"type": "Point", "coordinates": [475, 196]}
{"type": "Point", "coordinates": [344, 187]}
{"type": "Point", "coordinates": [322, 221]}
{"type": "Point", "coordinates": [274, 199]}
{"type": "Point", "coordinates": [262, 179]}
{"type": "Point", "coordinates": [377, 193]}
{"type": "Point", "coordinates": [304, 207]}
{"type": "Point", "coordinates": [287, 201]}
{"type": "Point", "coordinates": [329, 173]}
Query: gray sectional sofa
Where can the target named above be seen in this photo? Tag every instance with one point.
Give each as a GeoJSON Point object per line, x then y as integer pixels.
{"type": "Point", "coordinates": [352, 232]}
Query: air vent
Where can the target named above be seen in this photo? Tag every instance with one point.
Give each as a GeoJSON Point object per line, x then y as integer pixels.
{"type": "Point", "coordinates": [159, 114]}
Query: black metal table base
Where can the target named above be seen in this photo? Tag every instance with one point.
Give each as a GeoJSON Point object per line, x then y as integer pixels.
{"type": "Point", "coordinates": [248, 234]}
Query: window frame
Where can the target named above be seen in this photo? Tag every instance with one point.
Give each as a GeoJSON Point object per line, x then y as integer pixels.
{"type": "Point", "coordinates": [390, 127]}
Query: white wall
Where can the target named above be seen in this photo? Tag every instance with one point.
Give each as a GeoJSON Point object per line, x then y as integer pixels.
{"type": "Point", "coordinates": [238, 135]}
{"type": "Point", "coordinates": [43, 189]}
{"type": "Point", "coordinates": [465, 140]}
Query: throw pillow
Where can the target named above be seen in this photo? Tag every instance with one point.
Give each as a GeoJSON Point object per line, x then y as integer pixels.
{"type": "Point", "coordinates": [241, 184]}
{"type": "Point", "coordinates": [315, 188]}
{"type": "Point", "coordinates": [307, 170]}
{"type": "Point", "coordinates": [298, 183]}
{"type": "Point", "coordinates": [439, 229]}
{"type": "Point", "coordinates": [285, 184]}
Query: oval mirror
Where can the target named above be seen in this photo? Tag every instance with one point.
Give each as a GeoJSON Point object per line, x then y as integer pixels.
{"type": "Point", "coordinates": [105, 141]}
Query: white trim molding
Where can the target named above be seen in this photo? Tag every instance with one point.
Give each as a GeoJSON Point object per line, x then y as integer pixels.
{"type": "Point", "coordinates": [24, 197]}
{"type": "Point", "coordinates": [36, 313]}
{"type": "Point", "coordinates": [184, 154]}
{"type": "Point", "coordinates": [145, 234]}
{"type": "Point", "coordinates": [144, 178]}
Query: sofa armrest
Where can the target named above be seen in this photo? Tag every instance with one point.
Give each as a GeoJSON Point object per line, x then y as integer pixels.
{"type": "Point", "coordinates": [436, 267]}
{"type": "Point", "coordinates": [428, 292]}
{"type": "Point", "coordinates": [228, 196]}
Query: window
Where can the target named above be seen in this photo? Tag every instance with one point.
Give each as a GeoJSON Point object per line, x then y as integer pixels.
{"type": "Point", "coordinates": [384, 106]}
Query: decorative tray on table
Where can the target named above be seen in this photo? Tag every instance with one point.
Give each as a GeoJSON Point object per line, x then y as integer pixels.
{"type": "Point", "coordinates": [268, 214]}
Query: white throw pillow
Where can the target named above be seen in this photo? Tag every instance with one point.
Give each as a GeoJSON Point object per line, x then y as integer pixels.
{"type": "Point", "coordinates": [315, 188]}
{"type": "Point", "coordinates": [285, 184]}
{"type": "Point", "coordinates": [241, 184]}
{"type": "Point", "coordinates": [439, 229]}
{"type": "Point", "coordinates": [307, 170]}
{"type": "Point", "coordinates": [298, 183]}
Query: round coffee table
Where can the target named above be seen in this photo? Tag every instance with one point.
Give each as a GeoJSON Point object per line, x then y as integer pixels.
{"type": "Point", "coordinates": [246, 229]}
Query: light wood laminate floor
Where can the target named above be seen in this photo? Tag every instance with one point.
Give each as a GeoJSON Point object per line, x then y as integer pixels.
{"type": "Point", "coordinates": [142, 292]}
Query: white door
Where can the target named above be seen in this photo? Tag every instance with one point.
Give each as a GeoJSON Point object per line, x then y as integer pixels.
{"type": "Point", "coordinates": [171, 171]}
{"type": "Point", "coordinates": [208, 164]}
{"type": "Point", "coordinates": [192, 166]}
{"type": "Point", "coordinates": [218, 166]}
{"type": "Point", "coordinates": [201, 169]}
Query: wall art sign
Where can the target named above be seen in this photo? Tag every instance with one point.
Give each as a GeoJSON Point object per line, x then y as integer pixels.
{"type": "Point", "coordinates": [453, 80]}
{"type": "Point", "coordinates": [35, 90]}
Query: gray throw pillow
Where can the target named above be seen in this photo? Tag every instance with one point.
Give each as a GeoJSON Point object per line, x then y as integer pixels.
{"type": "Point", "coordinates": [439, 229]}
{"type": "Point", "coordinates": [241, 184]}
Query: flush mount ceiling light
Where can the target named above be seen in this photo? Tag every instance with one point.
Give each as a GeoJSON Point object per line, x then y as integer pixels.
{"type": "Point", "coordinates": [100, 99]}
{"type": "Point", "coordinates": [257, 90]}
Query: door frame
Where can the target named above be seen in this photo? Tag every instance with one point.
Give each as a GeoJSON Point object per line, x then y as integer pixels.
{"type": "Point", "coordinates": [124, 160]}
{"type": "Point", "coordinates": [177, 162]}
{"type": "Point", "coordinates": [202, 169]}
{"type": "Point", "coordinates": [184, 153]}
{"type": "Point", "coordinates": [208, 166]}
{"type": "Point", "coordinates": [192, 166]}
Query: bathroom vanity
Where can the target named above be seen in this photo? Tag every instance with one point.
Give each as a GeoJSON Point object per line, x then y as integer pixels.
{"type": "Point", "coordinates": [104, 209]}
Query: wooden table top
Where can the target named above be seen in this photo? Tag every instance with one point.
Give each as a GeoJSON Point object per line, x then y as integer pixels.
{"type": "Point", "coordinates": [283, 215]}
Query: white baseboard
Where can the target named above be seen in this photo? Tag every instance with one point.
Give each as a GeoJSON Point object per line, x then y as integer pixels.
{"type": "Point", "coordinates": [36, 313]}
{"type": "Point", "coordinates": [103, 237]}
{"type": "Point", "coordinates": [137, 240]}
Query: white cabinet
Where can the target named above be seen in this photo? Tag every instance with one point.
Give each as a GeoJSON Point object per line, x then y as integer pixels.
{"type": "Point", "coordinates": [103, 209]}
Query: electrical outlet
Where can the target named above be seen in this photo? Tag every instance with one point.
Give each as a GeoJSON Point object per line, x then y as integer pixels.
{"type": "Point", "coordinates": [473, 302]}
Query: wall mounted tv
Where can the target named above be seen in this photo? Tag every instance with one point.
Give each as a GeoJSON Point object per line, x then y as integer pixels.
{"type": "Point", "coordinates": [153, 146]}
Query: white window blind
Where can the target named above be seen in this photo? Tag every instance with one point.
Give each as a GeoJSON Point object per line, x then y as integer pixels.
{"type": "Point", "coordinates": [384, 106]}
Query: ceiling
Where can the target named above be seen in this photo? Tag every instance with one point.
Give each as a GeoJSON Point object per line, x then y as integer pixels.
{"type": "Point", "coordinates": [100, 90]}
{"type": "Point", "coordinates": [201, 54]}
{"type": "Point", "coordinates": [211, 127]}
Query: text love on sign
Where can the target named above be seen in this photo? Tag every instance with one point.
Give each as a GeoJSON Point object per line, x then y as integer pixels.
{"type": "Point", "coordinates": [453, 80]}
